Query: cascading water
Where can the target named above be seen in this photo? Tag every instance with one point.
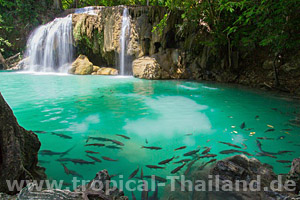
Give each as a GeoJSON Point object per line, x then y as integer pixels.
{"type": "Point", "coordinates": [125, 34]}
{"type": "Point", "coordinates": [50, 47]}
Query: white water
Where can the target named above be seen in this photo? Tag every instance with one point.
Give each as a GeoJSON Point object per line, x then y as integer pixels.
{"type": "Point", "coordinates": [50, 47]}
{"type": "Point", "coordinates": [125, 34]}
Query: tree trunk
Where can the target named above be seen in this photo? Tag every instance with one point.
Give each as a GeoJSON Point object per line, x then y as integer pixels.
{"type": "Point", "coordinates": [277, 83]}
{"type": "Point", "coordinates": [3, 62]}
{"type": "Point", "coordinates": [76, 3]}
{"type": "Point", "coordinates": [147, 2]}
{"type": "Point", "coordinates": [57, 4]}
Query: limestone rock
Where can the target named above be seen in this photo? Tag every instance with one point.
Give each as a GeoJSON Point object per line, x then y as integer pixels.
{"type": "Point", "coordinates": [81, 66]}
{"type": "Point", "coordinates": [95, 68]}
{"type": "Point", "coordinates": [18, 150]}
{"type": "Point", "coordinates": [107, 71]}
{"type": "Point", "coordinates": [146, 68]}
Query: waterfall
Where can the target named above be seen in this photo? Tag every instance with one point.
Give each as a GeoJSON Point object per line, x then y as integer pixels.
{"type": "Point", "coordinates": [50, 46]}
{"type": "Point", "coordinates": [124, 37]}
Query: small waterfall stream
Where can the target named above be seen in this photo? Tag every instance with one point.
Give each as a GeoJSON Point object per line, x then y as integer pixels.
{"type": "Point", "coordinates": [50, 47]}
{"type": "Point", "coordinates": [124, 37]}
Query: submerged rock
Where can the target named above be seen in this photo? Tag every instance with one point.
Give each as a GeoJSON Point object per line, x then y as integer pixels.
{"type": "Point", "coordinates": [91, 191]}
{"type": "Point", "coordinates": [81, 66]}
{"type": "Point", "coordinates": [294, 173]}
{"type": "Point", "coordinates": [18, 150]}
{"type": "Point", "coordinates": [236, 177]}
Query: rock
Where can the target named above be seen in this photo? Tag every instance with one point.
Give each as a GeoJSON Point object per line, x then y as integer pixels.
{"type": "Point", "coordinates": [294, 173]}
{"type": "Point", "coordinates": [233, 178]}
{"type": "Point", "coordinates": [107, 71]}
{"type": "Point", "coordinates": [18, 150]}
{"type": "Point", "coordinates": [81, 66]}
{"type": "Point", "coordinates": [95, 68]}
{"type": "Point", "coordinates": [98, 189]}
{"type": "Point", "coordinates": [146, 68]}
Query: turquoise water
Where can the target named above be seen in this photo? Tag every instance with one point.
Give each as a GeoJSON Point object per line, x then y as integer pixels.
{"type": "Point", "coordinates": [166, 114]}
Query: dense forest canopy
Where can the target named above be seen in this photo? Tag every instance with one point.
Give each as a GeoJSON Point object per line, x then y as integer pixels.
{"type": "Point", "coordinates": [231, 23]}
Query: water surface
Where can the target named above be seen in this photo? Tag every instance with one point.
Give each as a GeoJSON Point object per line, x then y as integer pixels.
{"type": "Point", "coordinates": [166, 114]}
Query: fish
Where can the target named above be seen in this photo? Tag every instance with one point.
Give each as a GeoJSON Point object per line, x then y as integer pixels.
{"type": "Point", "coordinates": [182, 161]}
{"type": "Point", "coordinates": [283, 152]}
{"type": "Point", "coordinates": [155, 194]}
{"type": "Point", "coordinates": [229, 144]}
{"type": "Point", "coordinates": [152, 148]}
{"type": "Point", "coordinates": [133, 174]}
{"type": "Point", "coordinates": [259, 147]}
{"type": "Point", "coordinates": [117, 142]}
{"type": "Point", "coordinates": [166, 161]}
{"type": "Point", "coordinates": [64, 159]}
{"type": "Point", "coordinates": [146, 141]}
{"type": "Point", "coordinates": [189, 134]}
{"type": "Point", "coordinates": [95, 144]}
{"type": "Point", "coordinates": [231, 151]}
{"type": "Point", "coordinates": [61, 135]}
{"type": "Point", "coordinates": [208, 156]}
{"type": "Point", "coordinates": [40, 132]}
{"type": "Point", "coordinates": [52, 153]}
{"type": "Point", "coordinates": [82, 162]}
{"type": "Point", "coordinates": [264, 138]}
{"type": "Point", "coordinates": [145, 191]}
{"type": "Point", "coordinates": [211, 161]}
{"type": "Point", "coordinates": [123, 136]}
{"type": "Point", "coordinates": [189, 166]}
{"type": "Point", "coordinates": [269, 130]}
{"type": "Point", "coordinates": [179, 148]}
{"type": "Point", "coordinates": [65, 169]}
{"type": "Point", "coordinates": [178, 168]}
{"type": "Point", "coordinates": [75, 173]}
{"type": "Point", "coordinates": [245, 146]}
{"type": "Point", "coordinates": [102, 139]}
{"type": "Point", "coordinates": [95, 159]}
{"type": "Point", "coordinates": [265, 154]}
{"type": "Point", "coordinates": [256, 117]}
{"type": "Point", "coordinates": [156, 178]}
{"type": "Point", "coordinates": [92, 152]}
{"type": "Point", "coordinates": [243, 125]}
{"type": "Point", "coordinates": [142, 174]}
{"type": "Point", "coordinates": [283, 161]}
{"type": "Point", "coordinates": [154, 167]}
{"type": "Point", "coordinates": [132, 195]}
{"type": "Point", "coordinates": [108, 159]}
{"type": "Point", "coordinates": [113, 147]}
{"type": "Point", "coordinates": [206, 151]}
{"type": "Point", "coordinates": [248, 129]}
{"type": "Point", "coordinates": [191, 152]}
{"type": "Point", "coordinates": [281, 137]}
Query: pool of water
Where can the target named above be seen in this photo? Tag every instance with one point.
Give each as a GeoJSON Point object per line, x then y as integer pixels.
{"type": "Point", "coordinates": [166, 114]}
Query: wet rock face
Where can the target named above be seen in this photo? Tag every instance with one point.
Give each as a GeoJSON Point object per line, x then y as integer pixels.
{"type": "Point", "coordinates": [18, 150]}
{"type": "Point", "coordinates": [98, 37]}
